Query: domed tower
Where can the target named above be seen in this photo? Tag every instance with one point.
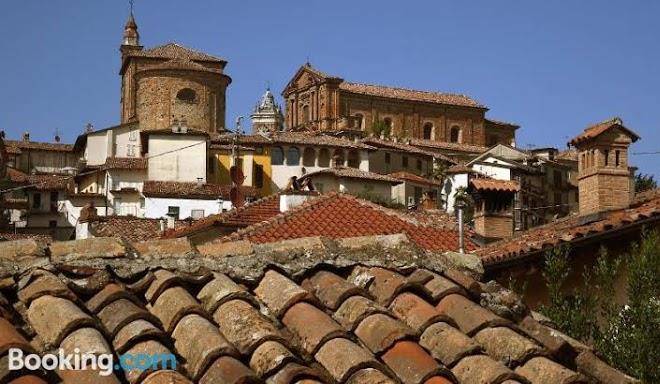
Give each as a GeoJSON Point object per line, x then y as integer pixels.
{"type": "Point", "coordinates": [267, 115]}
{"type": "Point", "coordinates": [171, 82]}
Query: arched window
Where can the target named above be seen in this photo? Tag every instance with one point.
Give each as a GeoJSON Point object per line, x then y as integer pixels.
{"type": "Point", "coordinates": [359, 118]}
{"type": "Point", "coordinates": [353, 159]}
{"type": "Point", "coordinates": [428, 131]}
{"type": "Point", "coordinates": [186, 95]}
{"type": "Point", "coordinates": [324, 157]}
{"type": "Point", "coordinates": [309, 157]}
{"type": "Point", "coordinates": [305, 111]}
{"type": "Point", "coordinates": [388, 122]}
{"type": "Point", "coordinates": [293, 156]}
{"type": "Point", "coordinates": [276, 156]}
{"type": "Point", "coordinates": [454, 134]}
{"type": "Point", "coordinates": [338, 156]}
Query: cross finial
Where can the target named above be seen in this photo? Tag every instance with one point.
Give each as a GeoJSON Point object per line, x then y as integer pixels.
{"type": "Point", "coordinates": [130, 3]}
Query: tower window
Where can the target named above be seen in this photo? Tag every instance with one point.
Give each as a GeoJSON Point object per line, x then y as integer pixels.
{"type": "Point", "coordinates": [293, 156]}
{"type": "Point", "coordinates": [305, 111]}
{"type": "Point", "coordinates": [276, 156]}
{"type": "Point", "coordinates": [606, 155]}
{"type": "Point", "coordinates": [428, 131]}
{"type": "Point", "coordinates": [454, 134]}
{"type": "Point", "coordinates": [617, 158]}
{"type": "Point", "coordinates": [186, 95]}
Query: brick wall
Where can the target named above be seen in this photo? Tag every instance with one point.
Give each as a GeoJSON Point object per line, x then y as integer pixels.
{"type": "Point", "coordinates": [494, 226]}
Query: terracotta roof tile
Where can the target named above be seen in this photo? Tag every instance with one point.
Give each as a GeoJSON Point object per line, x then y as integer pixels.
{"type": "Point", "coordinates": [570, 229]}
{"type": "Point", "coordinates": [191, 190]}
{"type": "Point", "coordinates": [291, 138]}
{"type": "Point", "coordinates": [599, 128]}
{"type": "Point", "coordinates": [221, 322]}
{"type": "Point", "coordinates": [410, 94]}
{"type": "Point", "coordinates": [483, 184]}
{"type": "Point", "coordinates": [451, 147]}
{"type": "Point", "coordinates": [130, 228]}
{"type": "Point", "coordinates": [125, 163]}
{"type": "Point", "coordinates": [16, 146]}
{"type": "Point", "coordinates": [175, 51]}
{"type": "Point", "coordinates": [407, 176]}
{"type": "Point", "coordinates": [352, 173]}
{"type": "Point", "coordinates": [404, 147]}
{"type": "Point", "coordinates": [339, 216]}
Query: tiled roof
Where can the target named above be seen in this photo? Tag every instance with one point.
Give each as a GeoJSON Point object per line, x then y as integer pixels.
{"type": "Point", "coordinates": [531, 243]}
{"type": "Point", "coordinates": [404, 147]}
{"type": "Point", "coordinates": [308, 312]}
{"type": "Point", "coordinates": [11, 236]}
{"type": "Point", "coordinates": [251, 213]}
{"type": "Point", "coordinates": [459, 168]}
{"type": "Point", "coordinates": [567, 155]}
{"type": "Point", "coordinates": [337, 215]}
{"type": "Point", "coordinates": [597, 129]}
{"type": "Point", "coordinates": [352, 173]}
{"type": "Point", "coordinates": [181, 64]}
{"type": "Point", "coordinates": [500, 123]}
{"type": "Point", "coordinates": [458, 147]}
{"type": "Point", "coordinates": [301, 138]}
{"type": "Point", "coordinates": [39, 182]}
{"type": "Point", "coordinates": [36, 145]}
{"type": "Point", "coordinates": [130, 228]}
{"type": "Point", "coordinates": [175, 51]}
{"type": "Point", "coordinates": [125, 163]}
{"type": "Point", "coordinates": [410, 94]}
{"type": "Point", "coordinates": [407, 176]}
{"type": "Point", "coordinates": [190, 190]}
{"type": "Point", "coordinates": [484, 184]}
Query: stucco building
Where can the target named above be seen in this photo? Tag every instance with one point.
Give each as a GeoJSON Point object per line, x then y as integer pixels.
{"type": "Point", "coordinates": [321, 102]}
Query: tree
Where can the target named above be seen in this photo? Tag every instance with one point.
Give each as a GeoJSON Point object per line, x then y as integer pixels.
{"type": "Point", "coordinates": [379, 128]}
{"type": "Point", "coordinates": [627, 336]}
{"type": "Point", "coordinates": [644, 183]}
{"type": "Point", "coordinates": [464, 197]}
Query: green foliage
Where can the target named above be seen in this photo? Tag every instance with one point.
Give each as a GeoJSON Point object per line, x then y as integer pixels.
{"type": "Point", "coordinates": [463, 196]}
{"type": "Point", "coordinates": [644, 183]}
{"type": "Point", "coordinates": [628, 336]}
{"type": "Point", "coordinates": [379, 127]}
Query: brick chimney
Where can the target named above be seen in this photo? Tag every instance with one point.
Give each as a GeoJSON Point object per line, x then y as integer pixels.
{"type": "Point", "coordinates": [603, 172]}
{"type": "Point", "coordinates": [493, 207]}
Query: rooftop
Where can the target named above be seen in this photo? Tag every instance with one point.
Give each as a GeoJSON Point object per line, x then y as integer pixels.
{"type": "Point", "coordinates": [125, 163]}
{"type": "Point", "coordinates": [16, 146]}
{"type": "Point", "coordinates": [191, 190]}
{"type": "Point", "coordinates": [360, 310]}
{"type": "Point", "coordinates": [352, 173]}
{"type": "Point", "coordinates": [129, 228]}
{"type": "Point", "coordinates": [487, 184]}
{"type": "Point", "coordinates": [175, 51]}
{"type": "Point", "coordinates": [407, 176]}
{"type": "Point", "coordinates": [410, 94]}
{"type": "Point", "coordinates": [301, 138]}
{"type": "Point", "coordinates": [336, 215]}
{"type": "Point", "coordinates": [457, 147]}
{"type": "Point", "coordinates": [599, 128]}
{"type": "Point", "coordinates": [569, 230]}
{"type": "Point", "coordinates": [404, 147]}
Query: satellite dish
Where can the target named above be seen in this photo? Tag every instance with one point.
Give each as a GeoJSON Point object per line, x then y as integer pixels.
{"type": "Point", "coordinates": [236, 175]}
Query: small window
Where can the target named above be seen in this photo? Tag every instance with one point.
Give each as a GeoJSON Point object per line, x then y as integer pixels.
{"type": "Point", "coordinates": [130, 152]}
{"type": "Point", "coordinates": [305, 111]}
{"type": "Point", "coordinates": [276, 156]}
{"type": "Point", "coordinates": [293, 156]}
{"type": "Point", "coordinates": [404, 161]}
{"type": "Point", "coordinates": [132, 135]}
{"type": "Point", "coordinates": [211, 165]}
{"type": "Point", "coordinates": [428, 131]}
{"type": "Point", "coordinates": [173, 212]}
{"type": "Point", "coordinates": [324, 157]}
{"type": "Point", "coordinates": [388, 158]}
{"type": "Point", "coordinates": [36, 201]}
{"type": "Point", "coordinates": [419, 165]}
{"type": "Point", "coordinates": [197, 214]}
{"type": "Point", "coordinates": [617, 158]}
{"type": "Point", "coordinates": [309, 157]}
{"type": "Point", "coordinates": [606, 155]}
{"type": "Point", "coordinates": [353, 159]}
{"type": "Point", "coordinates": [258, 176]}
{"type": "Point", "coordinates": [454, 134]}
{"type": "Point", "coordinates": [359, 118]}
{"type": "Point", "coordinates": [186, 95]}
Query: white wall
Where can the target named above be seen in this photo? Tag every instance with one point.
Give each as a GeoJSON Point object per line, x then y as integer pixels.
{"type": "Point", "coordinates": [495, 168]}
{"type": "Point", "coordinates": [452, 183]}
{"type": "Point", "coordinates": [96, 150]}
{"type": "Point", "coordinates": [187, 164]}
{"type": "Point", "coordinates": [116, 142]}
{"type": "Point", "coordinates": [156, 207]}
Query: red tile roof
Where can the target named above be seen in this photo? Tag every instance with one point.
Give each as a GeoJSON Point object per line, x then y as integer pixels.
{"type": "Point", "coordinates": [644, 209]}
{"type": "Point", "coordinates": [339, 312]}
{"type": "Point", "coordinates": [405, 148]}
{"type": "Point", "coordinates": [301, 138]}
{"type": "Point", "coordinates": [15, 146]}
{"type": "Point", "coordinates": [130, 228]}
{"type": "Point", "coordinates": [459, 168]}
{"type": "Point", "coordinates": [175, 51]}
{"type": "Point", "coordinates": [339, 215]}
{"type": "Point", "coordinates": [251, 213]}
{"type": "Point", "coordinates": [11, 236]}
{"type": "Point", "coordinates": [484, 184]}
{"type": "Point", "coordinates": [410, 94]}
{"type": "Point", "coordinates": [125, 163]}
{"type": "Point", "coordinates": [458, 147]}
{"type": "Point", "coordinates": [502, 124]}
{"type": "Point", "coordinates": [352, 173]}
{"type": "Point", "coordinates": [39, 182]}
{"type": "Point", "coordinates": [191, 190]}
{"type": "Point", "coordinates": [407, 176]}
{"type": "Point", "coordinates": [599, 128]}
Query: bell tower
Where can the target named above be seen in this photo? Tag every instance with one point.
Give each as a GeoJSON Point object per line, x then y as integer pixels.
{"type": "Point", "coordinates": [604, 178]}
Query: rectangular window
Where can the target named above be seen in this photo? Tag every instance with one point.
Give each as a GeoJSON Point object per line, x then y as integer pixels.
{"type": "Point", "coordinates": [131, 150]}
{"type": "Point", "coordinates": [617, 158]}
{"type": "Point", "coordinates": [418, 194]}
{"type": "Point", "coordinates": [388, 158]}
{"type": "Point", "coordinates": [404, 161]}
{"type": "Point", "coordinates": [258, 176]}
{"type": "Point", "coordinates": [556, 175]}
{"type": "Point", "coordinates": [173, 211]}
{"type": "Point", "coordinates": [36, 201]}
{"type": "Point", "coordinates": [419, 165]}
{"type": "Point", "coordinates": [197, 214]}
{"type": "Point", "coordinates": [53, 201]}
{"type": "Point", "coordinates": [117, 205]}
{"type": "Point", "coordinates": [211, 165]}
{"type": "Point", "coordinates": [132, 136]}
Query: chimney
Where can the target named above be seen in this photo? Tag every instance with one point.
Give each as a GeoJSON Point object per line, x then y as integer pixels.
{"type": "Point", "coordinates": [292, 199]}
{"type": "Point", "coordinates": [26, 136]}
{"type": "Point", "coordinates": [170, 222]}
{"type": "Point", "coordinates": [603, 172]}
{"type": "Point", "coordinates": [162, 225]}
{"type": "Point", "coordinates": [200, 182]}
{"type": "Point", "coordinates": [493, 208]}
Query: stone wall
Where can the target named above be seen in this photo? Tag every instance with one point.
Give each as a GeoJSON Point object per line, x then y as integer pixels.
{"type": "Point", "coordinates": [493, 226]}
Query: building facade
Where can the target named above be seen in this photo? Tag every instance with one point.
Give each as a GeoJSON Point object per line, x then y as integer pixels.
{"type": "Point", "coordinates": [267, 115]}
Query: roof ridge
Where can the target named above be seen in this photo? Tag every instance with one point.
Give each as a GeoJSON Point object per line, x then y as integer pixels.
{"type": "Point", "coordinates": [410, 89]}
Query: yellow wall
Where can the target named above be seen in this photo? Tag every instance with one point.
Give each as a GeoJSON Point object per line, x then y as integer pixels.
{"type": "Point", "coordinates": [223, 164]}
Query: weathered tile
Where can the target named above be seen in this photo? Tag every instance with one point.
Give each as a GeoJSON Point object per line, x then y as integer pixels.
{"type": "Point", "coordinates": [331, 289]}
{"type": "Point", "coordinates": [414, 311]}
{"type": "Point", "coordinates": [482, 369]}
{"type": "Point", "coordinates": [269, 357]}
{"type": "Point", "coordinates": [447, 344]}
{"type": "Point", "coordinates": [137, 330]}
{"type": "Point", "coordinates": [230, 371]}
{"type": "Point", "coordinates": [410, 362]}
{"type": "Point", "coordinates": [311, 325]}
{"type": "Point", "coordinates": [469, 316]}
{"type": "Point", "coordinates": [507, 346]}
{"type": "Point", "coordinates": [244, 326]}
{"type": "Point", "coordinates": [354, 309]}
{"type": "Point", "coordinates": [378, 332]}
{"type": "Point", "coordinates": [53, 318]}
{"type": "Point", "coordinates": [342, 358]}
{"type": "Point", "coordinates": [542, 370]}
{"type": "Point", "coordinates": [279, 293]}
{"type": "Point", "coordinates": [172, 305]}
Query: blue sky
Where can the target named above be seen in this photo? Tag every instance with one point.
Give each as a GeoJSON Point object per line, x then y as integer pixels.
{"type": "Point", "coordinates": [552, 68]}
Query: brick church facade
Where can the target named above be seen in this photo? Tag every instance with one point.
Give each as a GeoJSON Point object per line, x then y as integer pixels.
{"type": "Point", "coordinates": [320, 102]}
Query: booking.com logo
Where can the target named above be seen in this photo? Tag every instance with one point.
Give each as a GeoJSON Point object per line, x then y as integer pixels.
{"type": "Point", "coordinates": [103, 363]}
